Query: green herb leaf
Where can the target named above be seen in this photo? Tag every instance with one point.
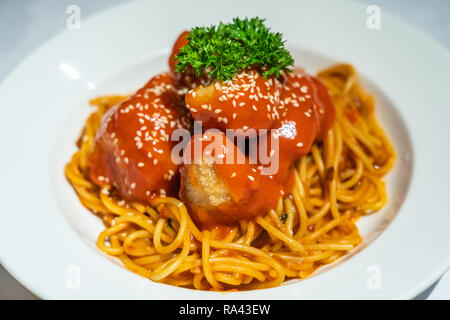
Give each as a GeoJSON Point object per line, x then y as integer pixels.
{"type": "Point", "coordinates": [283, 217]}
{"type": "Point", "coordinates": [224, 50]}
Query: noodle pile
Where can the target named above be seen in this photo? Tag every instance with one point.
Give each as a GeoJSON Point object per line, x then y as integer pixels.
{"type": "Point", "coordinates": [338, 181]}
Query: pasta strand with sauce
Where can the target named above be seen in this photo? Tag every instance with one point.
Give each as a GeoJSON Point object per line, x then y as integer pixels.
{"type": "Point", "coordinates": [338, 181]}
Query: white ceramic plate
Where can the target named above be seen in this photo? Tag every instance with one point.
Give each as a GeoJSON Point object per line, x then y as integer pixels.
{"type": "Point", "coordinates": [47, 239]}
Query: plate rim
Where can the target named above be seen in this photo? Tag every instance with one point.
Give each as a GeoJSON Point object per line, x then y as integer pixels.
{"type": "Point", "coordinates": [39, 291]}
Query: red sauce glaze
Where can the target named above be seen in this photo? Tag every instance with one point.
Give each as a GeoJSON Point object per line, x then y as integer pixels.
{"type": "Point", "coordinates": [324, 107]}
{"type": "Point", "coordinates": [132, 148]}
{"type": "Point", "coordinates": [221, 231]}
{"type": "Point", "coordinates": [353, 115]}
{"type": "Point", "coordinates": [309, 116]}
{"type": "Point", "coordinates": [246, 101]}
{"type": "Point", "coordinates": [249, 194]}
{"type": "Point", "coordinates": [181, 41]}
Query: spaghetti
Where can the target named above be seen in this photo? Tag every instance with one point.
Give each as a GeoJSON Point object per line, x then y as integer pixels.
{"type": "Point", "coordinates": [338, 181]}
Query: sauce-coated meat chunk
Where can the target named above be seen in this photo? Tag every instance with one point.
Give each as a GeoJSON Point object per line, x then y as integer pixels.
{"type": "Point", "coordinates": [132, 149]}
{"type": "Point", "coordinates": [246, 101]}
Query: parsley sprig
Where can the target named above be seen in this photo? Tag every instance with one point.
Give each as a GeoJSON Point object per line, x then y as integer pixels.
{"type": "Point", "coordinates": [224, 50]}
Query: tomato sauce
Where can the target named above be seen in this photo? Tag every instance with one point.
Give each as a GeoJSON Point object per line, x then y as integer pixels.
{"type": "Point", "coordinates": [132, 149]}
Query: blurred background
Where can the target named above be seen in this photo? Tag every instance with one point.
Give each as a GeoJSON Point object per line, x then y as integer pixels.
{"type": "Point", "coordinates": [26, 24]}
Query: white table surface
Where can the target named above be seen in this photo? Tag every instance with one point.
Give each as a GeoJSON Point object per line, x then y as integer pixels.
{"type": "Point", "coordinates": [26, 24]}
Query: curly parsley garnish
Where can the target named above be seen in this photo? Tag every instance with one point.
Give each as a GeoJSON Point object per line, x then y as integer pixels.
{"type": "Point", "coordinates": [224, 50]}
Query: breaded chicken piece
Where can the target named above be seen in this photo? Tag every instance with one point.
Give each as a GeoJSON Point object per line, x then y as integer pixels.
{"type": "Point", "coordinates": [132, 147]}
{"type": "Point", "coordinates": [217, 192]}
{"type": "Point", "coordinates": [246, 101]}
{"type": "Point", "coordinates": [203, 186]}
